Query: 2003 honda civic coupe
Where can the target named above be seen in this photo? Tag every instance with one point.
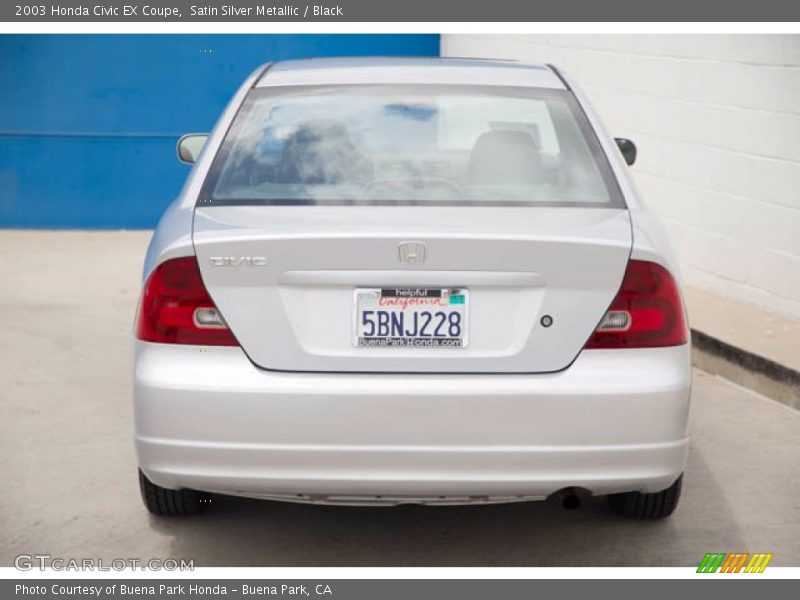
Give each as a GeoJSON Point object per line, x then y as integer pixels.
{"type": "Point", "coordinates": [398, 280]}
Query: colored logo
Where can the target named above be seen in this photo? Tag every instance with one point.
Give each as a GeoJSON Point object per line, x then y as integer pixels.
{"type": "Point", "coordinates": [737, 562]}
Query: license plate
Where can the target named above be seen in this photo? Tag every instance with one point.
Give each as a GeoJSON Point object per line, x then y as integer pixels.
{"type": "Point", "coordinates": [411, 318]}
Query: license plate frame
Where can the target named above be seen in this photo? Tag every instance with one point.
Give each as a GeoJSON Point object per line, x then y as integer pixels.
{"type": "Point", "coordinates": [407, 301]}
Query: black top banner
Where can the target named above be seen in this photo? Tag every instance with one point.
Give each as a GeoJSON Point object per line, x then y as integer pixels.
{"type": "Point", "coordinates": [405, 10]}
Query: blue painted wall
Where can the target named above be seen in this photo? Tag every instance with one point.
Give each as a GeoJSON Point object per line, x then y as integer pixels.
{"type": "Point", "coordinates": [88, 123]}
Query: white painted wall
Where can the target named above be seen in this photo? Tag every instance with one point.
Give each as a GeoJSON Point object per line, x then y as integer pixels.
{"type": "Point", "coordinates": [716, 119]}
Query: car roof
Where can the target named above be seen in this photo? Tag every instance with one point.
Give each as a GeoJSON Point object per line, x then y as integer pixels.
{"type": "Point", "coordinates": [410, 70]}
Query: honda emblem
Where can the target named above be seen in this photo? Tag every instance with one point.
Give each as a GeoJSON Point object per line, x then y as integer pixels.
{"type": "Point", "coordinates": [411, 253]}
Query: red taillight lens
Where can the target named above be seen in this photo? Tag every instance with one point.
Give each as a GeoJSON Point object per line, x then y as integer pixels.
{"type": "Point", "coordinates": [176, 309]}
{"type": "Point", "coordinates": [646, 313]}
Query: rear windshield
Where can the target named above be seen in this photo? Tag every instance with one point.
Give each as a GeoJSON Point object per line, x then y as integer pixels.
{"type": "Point", "coordinates": [425, 145]}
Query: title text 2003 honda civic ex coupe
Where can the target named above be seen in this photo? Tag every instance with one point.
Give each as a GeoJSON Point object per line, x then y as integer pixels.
{"type": "Point", "coordinates": [410, 281]}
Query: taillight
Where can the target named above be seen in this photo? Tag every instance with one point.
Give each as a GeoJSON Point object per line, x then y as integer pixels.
{"type": "Point", "coordinates": [176, 309]}
{"type": "Point", "coordinates": [646, 313]}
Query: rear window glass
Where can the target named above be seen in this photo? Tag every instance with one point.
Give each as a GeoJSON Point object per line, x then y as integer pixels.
{"type": "Point", "coordinates": [411, 145]}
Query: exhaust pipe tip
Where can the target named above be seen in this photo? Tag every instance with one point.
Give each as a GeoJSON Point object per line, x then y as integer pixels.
{"type": "Point", "coordinates": [570, 501]}
{"type": "Point", "coordinates": [570, 498]}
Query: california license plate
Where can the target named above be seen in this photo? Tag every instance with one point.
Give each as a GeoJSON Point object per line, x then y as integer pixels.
{"type": "Point", "coordinates": [411, 317]}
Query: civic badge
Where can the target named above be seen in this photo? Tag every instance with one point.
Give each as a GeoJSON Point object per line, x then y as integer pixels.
{"type": "Point", "coordinates": [411, 253]}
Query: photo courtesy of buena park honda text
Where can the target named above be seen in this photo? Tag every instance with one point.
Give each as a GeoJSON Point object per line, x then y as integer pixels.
{"type": "Point", "coordinates": [367, 299]}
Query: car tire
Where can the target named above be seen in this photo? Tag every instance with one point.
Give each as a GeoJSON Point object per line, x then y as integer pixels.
{"type": "Point", "coordinates": [167, 503]}
{"type": "Point", "coordinates": [637, 505]}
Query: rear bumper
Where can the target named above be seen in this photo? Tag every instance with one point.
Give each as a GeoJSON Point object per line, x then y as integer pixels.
{"type": "Point", "coordinates": [207, 419]}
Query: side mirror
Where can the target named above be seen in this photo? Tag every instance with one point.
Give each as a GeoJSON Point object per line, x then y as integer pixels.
{"type": "Point", "coordinates": [628, 149]}
{"type": "Point", "coordinates": [189, 147]}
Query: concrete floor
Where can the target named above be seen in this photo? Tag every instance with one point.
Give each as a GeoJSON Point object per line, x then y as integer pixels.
{"type": "Point", "coordinates": [68, 470]}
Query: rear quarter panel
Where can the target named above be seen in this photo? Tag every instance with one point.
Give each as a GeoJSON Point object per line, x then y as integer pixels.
{"type": "Point", "coordinates": [173, 234]}
{"type": "Point", "coordinates": [650, 241]}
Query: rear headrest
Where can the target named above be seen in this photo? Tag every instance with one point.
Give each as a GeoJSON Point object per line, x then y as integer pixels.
{"type": "Point", "coordinates": [505, 157]}
{"type": "Point", "coordinates": [313, 131]}
{"type": "Point", "coordinates": [320, 152]}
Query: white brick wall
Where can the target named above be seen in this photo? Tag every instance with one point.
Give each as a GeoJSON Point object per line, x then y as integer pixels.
{"type": "Point", "coordinates": [716, 119]}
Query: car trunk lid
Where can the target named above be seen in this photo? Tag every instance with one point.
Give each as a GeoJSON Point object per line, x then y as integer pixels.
{"type": "Point", "coordinates": [538, 280]}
